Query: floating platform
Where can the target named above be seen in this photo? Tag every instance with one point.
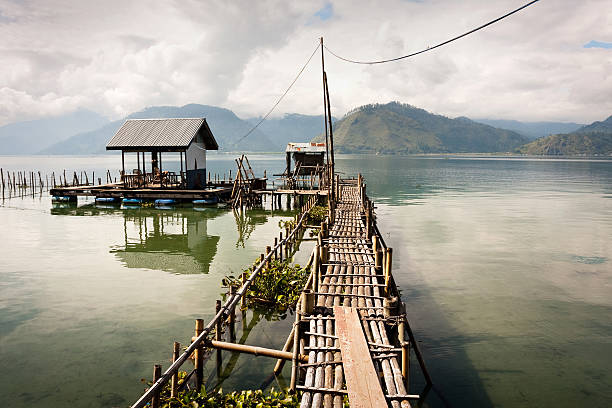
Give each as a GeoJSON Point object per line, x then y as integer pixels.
{"type": "Point", "coordinates": [116, 191]}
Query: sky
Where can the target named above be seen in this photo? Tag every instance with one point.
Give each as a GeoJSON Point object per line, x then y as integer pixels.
{"type": "Point", "coordinates": [549, 62]}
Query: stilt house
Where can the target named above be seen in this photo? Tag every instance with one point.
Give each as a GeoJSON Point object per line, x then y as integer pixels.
{"type": "Point", "coordinates": [190, 137]}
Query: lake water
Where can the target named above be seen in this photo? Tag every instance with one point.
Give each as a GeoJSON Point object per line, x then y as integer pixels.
{"type": "Point", "coordinates": [505, 266]}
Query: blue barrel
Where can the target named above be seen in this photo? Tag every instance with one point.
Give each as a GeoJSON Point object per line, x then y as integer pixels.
{"type": "Point", "coordinates": [107, 199]}
{"type": "Point", "coordinates": [206, 201]}
{"type": "Point", "coordinates": [131, 201]}
{"type": "Point", "coordinates": [63, 199]}
{"type": "Point", "coordinates": [165, 201]}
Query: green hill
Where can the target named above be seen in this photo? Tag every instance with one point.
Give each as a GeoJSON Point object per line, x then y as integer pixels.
{"type": "Point", "coordinates": [591, 140]}
{"type": "Point", "coordinates": [396, 128]}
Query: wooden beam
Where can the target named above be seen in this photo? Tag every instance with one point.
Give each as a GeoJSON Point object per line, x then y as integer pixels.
{"type": "Point", "coordinates": [256, 351]}
{"type": "Point", "coordinates": [361, 378]}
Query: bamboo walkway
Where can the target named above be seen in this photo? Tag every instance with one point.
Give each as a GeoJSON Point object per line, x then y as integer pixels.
{"type": "Point", "coordinates": [351, 279]}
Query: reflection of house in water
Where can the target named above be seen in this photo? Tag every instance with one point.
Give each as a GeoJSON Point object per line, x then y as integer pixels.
{"type": "Point", "coordinates": [175, 242]}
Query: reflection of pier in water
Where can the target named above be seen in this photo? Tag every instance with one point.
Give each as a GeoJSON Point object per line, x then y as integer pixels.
{"type": "Point", "coordinates": [246, 221]}
{"type": "Point", "coordinates": [176, 242]}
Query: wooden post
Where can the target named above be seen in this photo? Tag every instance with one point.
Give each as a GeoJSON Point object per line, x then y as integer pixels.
{"type": "Point", "coordinates": [415, 345]}
{"type": "Point", "coordinates": [275, 249]}
{"type": "Point", "coordinates": [156, 376]}
{"type": "Point", "coordinates": [175, 354]}
{"type": "Point", "coordinates": [296, 350]}
{"type": "Point", "coordinates": [268, 250]}
{"type": "Point", "coordinates": [405, 345]}
{"type": "Point", "coordinates": [218, 329]}
{"type": "Point", "coordinates": [388, 263]}
{"type": "Point", "coordinates": [367, 221]}
{"type": "Point", "coordinates": [377, 257]}
{"type": "Point", "coordinates": [280, 248]}
{"type": "Point", "coordinates": [232, 315]}
{"type": "Point", "coordinates": [199, 355]}
{"type": "Point", "coordinates": [315, 268]}
{"type": "Point", "coordinates": [243, 279]}
{"type": "Point", "coordinates": [307, 302]}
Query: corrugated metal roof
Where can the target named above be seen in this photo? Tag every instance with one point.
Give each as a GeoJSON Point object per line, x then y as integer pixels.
{"type": "Point", "coordinates": [306, 147]}
{"type": "Point", "coordinates": [161, 134]}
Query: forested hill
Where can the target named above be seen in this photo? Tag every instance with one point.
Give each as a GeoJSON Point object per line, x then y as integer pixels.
{"type": "Point", "coordinates": [591, 140]}
{"type": "Point", "coordinates": [396, 128]}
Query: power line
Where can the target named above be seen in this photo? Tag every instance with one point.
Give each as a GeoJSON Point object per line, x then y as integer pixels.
{"type": "Point", "coordinates": [279, 99]}
{"type": "Point", "coordinates": [435, 46]}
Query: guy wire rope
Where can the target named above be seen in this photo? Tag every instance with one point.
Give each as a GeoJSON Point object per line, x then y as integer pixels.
{"type": "Point", "coordinates": [279, 99]}
{"type": "Point", "coordinates": [435, 46]}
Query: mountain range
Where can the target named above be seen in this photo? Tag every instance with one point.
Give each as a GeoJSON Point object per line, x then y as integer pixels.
{"type": "Point", "coordinates": [591, 140]}
{"type": "Point", "coordinates": [392, 128]}
{"type": "Point", "coordinates": [532, 130]}
{"type": "Point", "coordinates": [36, 135]}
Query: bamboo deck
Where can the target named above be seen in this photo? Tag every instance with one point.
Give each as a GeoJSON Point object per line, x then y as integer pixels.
{"type": "Point", "coordinates": [350, 279]}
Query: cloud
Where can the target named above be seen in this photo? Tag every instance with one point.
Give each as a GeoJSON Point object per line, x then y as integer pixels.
{"type": "Point", "coordinates": [597, 44]}
{"type": "Point", "coordinates": [115, 57]}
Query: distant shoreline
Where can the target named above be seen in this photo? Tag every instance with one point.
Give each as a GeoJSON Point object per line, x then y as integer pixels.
{"type": "Point", "coordinates": [424, 155]}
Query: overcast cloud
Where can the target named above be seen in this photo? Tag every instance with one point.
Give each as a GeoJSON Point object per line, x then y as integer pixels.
{"type": "Point", "coordinates": [552, 61]}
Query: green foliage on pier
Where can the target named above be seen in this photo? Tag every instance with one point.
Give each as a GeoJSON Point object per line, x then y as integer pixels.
{"type": "Point", "coordinates": [316, 215]}
{"type": "Point", "coordinates": [218, 399]}
{"type": "Point", "coordinates": [275, 288]}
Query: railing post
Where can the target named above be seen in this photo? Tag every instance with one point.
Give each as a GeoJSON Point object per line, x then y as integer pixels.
{"type": "Point", "coordinates": [307, 302]}
{"type": "Point", "coordinates": [368, 220]}
{"type": "Point", "coordinates": [156, 376]}
{"type": "Point", "coordinates": [199, 355]}
{"type": "Point", "coordinates": [315, 268]}
{"type": "Point", "coordinates": [243, 279]}
{"type": "Point", "coordinates": [296, 349]}
{"type": "Point", "coordinates": [218, 330]}
{"type": "Point", "coordinates": [377, 257]}
{"type": "Point", "coordinates": [405, 345]}
{"type": "Point", "coordinates": [175, 354]}
{"type": "Point", "coordinates": [232, 315]}
{"type": "Point", "coordinates": [388, 264]}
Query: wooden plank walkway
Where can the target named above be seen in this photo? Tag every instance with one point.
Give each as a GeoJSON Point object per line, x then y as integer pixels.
{"type": "Point", "coordinates": [361, 378]}
{"type": "Point", "coordinates": [350, 279]}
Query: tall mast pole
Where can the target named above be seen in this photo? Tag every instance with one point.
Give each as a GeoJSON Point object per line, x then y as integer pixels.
{"type": "Point", "coordinates": [324, 105]}
{"type": "Point", "coordinates": [331, 132]}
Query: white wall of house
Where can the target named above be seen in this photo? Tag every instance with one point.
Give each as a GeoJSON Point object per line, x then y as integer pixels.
{"type": "Point", "coordinates": [196, 156]}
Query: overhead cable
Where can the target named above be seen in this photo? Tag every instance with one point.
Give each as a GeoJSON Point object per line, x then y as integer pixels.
{"type": "Point", "coordinates": [435, 46]}
{"type": "Point", "coordinates": [279, 99]}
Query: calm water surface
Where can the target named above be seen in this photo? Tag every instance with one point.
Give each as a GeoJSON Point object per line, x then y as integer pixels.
{"type": "Point", "coordinates": [505, 266]}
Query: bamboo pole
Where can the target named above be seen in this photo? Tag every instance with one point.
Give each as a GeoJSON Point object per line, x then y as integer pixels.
{"type": "Point", "coordinates": [156, 376]}
{"type": "Point", "coordinates": [296, 348]}
{"type": "Point", "coordinates": [174, 386]}
{"type": "Point", "coordinates": [232, 315]}
{"type": "Point", "coordinates": [218, 330]}
{"type": "Point", "coordinates": [388, 264]}
{"type": "Point", "coordinates": [288, 345]}
{"type": "Point", "coordinates": [199, 355]}
{"type": "Point", "coordinates": [256, 351]}
{"type": "Point", "coordinates": [417, 350]}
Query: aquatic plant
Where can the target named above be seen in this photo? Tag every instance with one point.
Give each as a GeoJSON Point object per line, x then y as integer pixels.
{"type": "Point", "coordinates": [275, 288]}
{"type": "Point", "coordinates": [217, 398]}
{"type": "Point", "coordinates": [316, 215]}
